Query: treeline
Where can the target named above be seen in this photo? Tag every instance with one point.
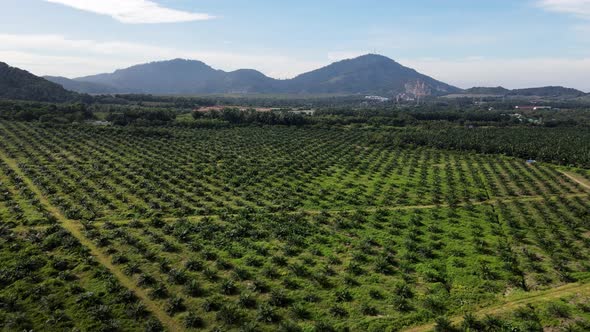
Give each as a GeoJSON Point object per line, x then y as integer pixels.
{"type": "Point", "coordinates": [420, 113]}
{"type": "Point", "coordinates": [237, 117]}
{"type": "Point", "coordinates": [168, 101]}
{"type": "Point", "coordinates": [563, 146]}
{"type": "Point", "coordinates": [44, 112]}
{"type": "Point", "coordinates": [141, 117]}
{"type": "Point", "coordinates": [423, 116]}
{"type": "Point", "coordinates": [327, 101]}
{"type": "Point", "coordinates": [405, 117]}
{"type": "Point", "coordinates": [233, 100]}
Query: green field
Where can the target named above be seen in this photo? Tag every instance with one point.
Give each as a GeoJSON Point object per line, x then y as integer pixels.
{"type": "Point", "coordinates": [273, 228]}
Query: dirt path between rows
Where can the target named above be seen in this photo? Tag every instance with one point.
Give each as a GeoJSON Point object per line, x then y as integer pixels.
{"type": "Point", "coordinates": [507, 306]}
{"type": "Point", "coordinates": [533, 297]}
{"type": "Point", "coordinates": [371, 209]}
{"type": "Point", "coordinates": [76, 229]}
{"type": "Point", "coordinates": [577, 179]}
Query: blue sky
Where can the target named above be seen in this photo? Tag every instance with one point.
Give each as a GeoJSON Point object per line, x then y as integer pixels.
{"type": "Point", "coordinates": [466, 43]}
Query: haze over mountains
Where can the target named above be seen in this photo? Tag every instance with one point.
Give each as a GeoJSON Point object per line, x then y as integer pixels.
{"type": "Point", "coordinates": [546, 91]}
{"type": "Point", "coordinates": [80, 86]}
{"type": "Point", "coordinates": [368, 74]}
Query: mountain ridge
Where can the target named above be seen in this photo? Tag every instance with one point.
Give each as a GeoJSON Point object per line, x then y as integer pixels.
{"type": "Point", "coordinates": [80, 86]}
{"type": "Point", "coordinates": [370, 74]}
{"type": "Point", "coordinates": [16, 83]}
{"type": "Point", "coordinates": [367, 74]}
{"type": "Point", "coordinates": [544, 91]}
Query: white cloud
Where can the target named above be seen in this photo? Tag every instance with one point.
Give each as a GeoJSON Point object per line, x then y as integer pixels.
{"type": "Point", "coordinates": [579, 8]}
{"type": "Point", "coordinates": [58, 43]}
{"type": "Point", "coordinates": [510, 73]}
{"type": "Point", "coordinates": [134, 11]}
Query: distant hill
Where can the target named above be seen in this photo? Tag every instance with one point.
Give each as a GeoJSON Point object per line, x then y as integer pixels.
{"type": "Point", "coordinates": [182, 77]}
{"type": "Point", "coordinates": [541, 92]}
{"type": "Point", "coordinates": [81, 87]}
{"type": "Point", "coordinates": [369, 74]}
{"type": "Point", "coordinates": [487, 91]}
{"type": "Point", "coordinates": [548, 91]}
{"type": "Point", "coordinates": [16, 83]}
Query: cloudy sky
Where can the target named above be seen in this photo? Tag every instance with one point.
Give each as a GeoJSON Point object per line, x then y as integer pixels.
{"type": "Point", "coordinates": [513, 43]}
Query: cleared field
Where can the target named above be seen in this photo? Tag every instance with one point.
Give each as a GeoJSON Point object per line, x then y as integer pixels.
{"type": "Point", "coordinates": [266, 228]}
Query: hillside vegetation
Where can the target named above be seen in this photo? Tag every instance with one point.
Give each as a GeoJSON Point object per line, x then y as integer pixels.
{"type": "Point", "coordinates": [19, 84]}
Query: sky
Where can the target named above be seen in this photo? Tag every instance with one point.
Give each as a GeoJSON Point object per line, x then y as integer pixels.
{"type": "Point", "coordinates": [510, 43]}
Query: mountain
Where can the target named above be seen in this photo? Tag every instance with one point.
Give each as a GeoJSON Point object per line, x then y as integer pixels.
{"type": "Point", "coordinates": [541, 92]}
{"type": "Point", "coordinates": [368, 74]}
{"type": "Point", "coordinates": [16, 83]}
{"type": "Point", "coordinates": [80, 86]}
{"type": "Point", "coordinates": [181, 77]}
{"type": "Point", "coordinates": [548, 91]}
{"type": "Point", "coordinates": [487, 91]}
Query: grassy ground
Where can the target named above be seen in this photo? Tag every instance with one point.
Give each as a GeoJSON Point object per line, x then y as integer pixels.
{"type": "Point", "coordinates": [513, 303]}
{"type": "Point", "coordinates": [282, 228]}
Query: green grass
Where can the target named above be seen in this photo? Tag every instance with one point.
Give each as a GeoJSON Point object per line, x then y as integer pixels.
{"type": "Point", "coordinates": [48, 283]}
{"type": "Point", "coordinates": [282, 227]}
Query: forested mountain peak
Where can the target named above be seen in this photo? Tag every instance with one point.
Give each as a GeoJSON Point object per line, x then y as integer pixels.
{"type": "Point", "coordinates": [16, 83]}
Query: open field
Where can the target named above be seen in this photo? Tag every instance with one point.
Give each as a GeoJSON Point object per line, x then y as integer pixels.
{"type": "Point", "coordinates": [267, 228]}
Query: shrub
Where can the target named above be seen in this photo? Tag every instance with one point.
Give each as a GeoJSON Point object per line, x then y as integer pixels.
{"type": "Point", "coordinates": [312, 298]}
{"type": "Point", "coordinates": [153, 325]}
{"type": "Point", "coordinates": [177, 277]}
{"type": "Point", "coordinates": [191, 320]}
{"type": "Point", "coordinates": [136, 311]}
{"type": "Point", "coordinates": [299, 311]}
{"type": "Point", "coordinates": [175, 305]}
{"type": "Point", "coordinates": [279, 299]}
{"type": "Point", "coordinates": [558, 310]}
{"type": "Point", "coordinates": [229, 314]}
{"type": "Point", "coordinates": [369, 310]}
{"type": "Point", "coordinates": [338, 311]}
{"type": "Point", "coordinates": [376, 294]}
{"type": "Point", "coordinates": [211, 305]}
{"type": "Point", "coordinates": [193, 288]}
{"type": "Point", "coordinates": [194, 265]}
{"type": "Point", "coordinates": [242, 274]}
{"type": "Point", "coordinates": [246, 300]}
{"type": "Point", "coordinates": [471, 323]}
{"type": "Point", "coordinates": [279, 260]}
{"type": "Point", "coordinates": [159, 292]}
{"type": "Point", "coordinates": [228, 287]}
{"type": "Point", "coordinates": [322, 326]}
{"type": "Point", "coordinates": [443, 324]}
{"type": "Point", "coordinates": [210, 274]}
{"type": "Point", "coordinates": [343, 296]}
{"type": "Point", "coordinates": [259, 286]}
{"type": "Point", "coordinates": [289, 326]}
{"type": "Point", "coordinates": [267, 314]}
